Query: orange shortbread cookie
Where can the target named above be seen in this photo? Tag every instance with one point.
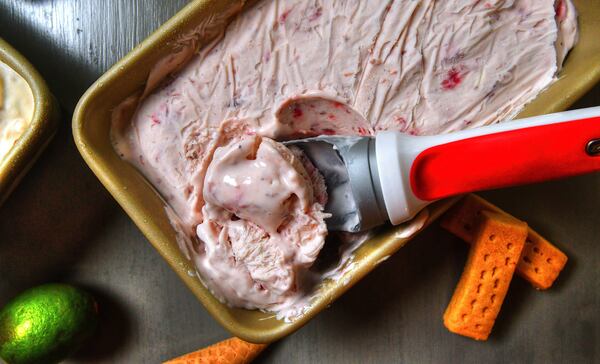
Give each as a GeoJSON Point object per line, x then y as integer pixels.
{"type": "Point", "coordinates": [230, 351]}
{"type": "Point", "coordinates": [485, 280]}
{"type": "Point", "coordinates": [540, 263]}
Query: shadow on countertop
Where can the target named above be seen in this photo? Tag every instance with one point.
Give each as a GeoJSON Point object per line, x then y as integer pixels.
{"type": "Point", "coordinates": [49, 219]}
{"type": "Point", "coordinates": [114, 329]}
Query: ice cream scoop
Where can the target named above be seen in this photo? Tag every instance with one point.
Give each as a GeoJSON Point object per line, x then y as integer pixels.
{"type": "Point", "coordinates": [392, 176]}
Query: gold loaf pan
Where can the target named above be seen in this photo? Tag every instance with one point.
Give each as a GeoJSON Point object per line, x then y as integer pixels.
{"type": "Point", "coordinates": [91, 125]}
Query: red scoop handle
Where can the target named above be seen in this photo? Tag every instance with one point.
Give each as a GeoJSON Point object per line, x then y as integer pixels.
{"type": "Point", "coordinates": [509, 158]}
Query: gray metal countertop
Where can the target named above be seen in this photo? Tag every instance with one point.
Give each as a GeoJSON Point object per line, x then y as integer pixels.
{"type": "Point", "coordinates": [61, 225]}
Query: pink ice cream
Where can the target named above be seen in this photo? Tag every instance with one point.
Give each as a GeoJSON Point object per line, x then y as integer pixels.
{"type": "Point", "coordinates": [263, 218]}
{"type": "Point", "coordinates": [251, 210]}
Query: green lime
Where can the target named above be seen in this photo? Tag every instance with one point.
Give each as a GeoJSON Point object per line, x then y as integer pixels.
{"type": "Point", "coordinates": [46, 324]}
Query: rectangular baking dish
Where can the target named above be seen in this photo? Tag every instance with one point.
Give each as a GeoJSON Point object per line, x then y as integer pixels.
{"type": "Point", "coordinates": [41, 129]}
{"type": "Point", "coordinates": [91, 124]}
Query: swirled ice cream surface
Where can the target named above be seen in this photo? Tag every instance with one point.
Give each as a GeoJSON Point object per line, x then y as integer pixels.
{"type": "Point", "coordinates": [250, 210]}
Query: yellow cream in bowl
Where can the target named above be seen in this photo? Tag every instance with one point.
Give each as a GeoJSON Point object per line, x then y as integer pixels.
{"type": "Point", "coordinates": [16, 108]}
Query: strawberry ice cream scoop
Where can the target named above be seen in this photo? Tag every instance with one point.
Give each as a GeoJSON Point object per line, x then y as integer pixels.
{"type": "Point", "coordinates": [262, 222]}
{"type": "Point", "coordinates": [256, 180]}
